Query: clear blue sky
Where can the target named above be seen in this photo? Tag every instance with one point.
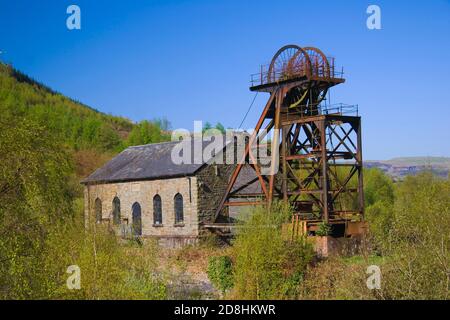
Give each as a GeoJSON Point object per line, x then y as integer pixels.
{"type": "Point", "coordinates": [191, 60]}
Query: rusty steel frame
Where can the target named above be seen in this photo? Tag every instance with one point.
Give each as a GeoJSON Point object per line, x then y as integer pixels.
{"type": "Point", "coordinates": [320, 155]}
{"type": "Point", "coordinates": [313, 148]}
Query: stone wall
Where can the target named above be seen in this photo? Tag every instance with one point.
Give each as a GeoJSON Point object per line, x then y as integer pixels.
{"type": "Point", "coordinates": [213, 182]}
{"type": "Point", "coordinates": [143, 193]}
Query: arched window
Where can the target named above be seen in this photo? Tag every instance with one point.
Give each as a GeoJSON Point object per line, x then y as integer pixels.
{"type": "Point", "coordinates": [157, 210]}
{"type": "Point", "coordinates": [178, 206]}
{"type": "Point", "coordinates": [137, 220]}
{"type": "Point", "coordinates": [116, 210]}
{"type": "Point", "coordinates": [98, 210]}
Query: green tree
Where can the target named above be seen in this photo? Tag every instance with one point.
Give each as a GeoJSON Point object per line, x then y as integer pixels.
{"type": "Point", "coordinates": [379, 201]}
{"type": "Point", "coordinates": [220, 127]}
{"type": "Point", "coordinates": [207, 126]}
{"type": "Point", "coordinates": [377, 187]}
{"type": "Point", "coordinates": [34, 193]}
{"type": "Point", "coordinates": [416, 239]}
{"type": "Point", "coordinates": [146, 132]}
{"type": "Point", "coordinates": [108, 139]}
{"type": "Point", "coordinates": [267, 266]}
{"type": "Point", "coordinates": [220, 272]}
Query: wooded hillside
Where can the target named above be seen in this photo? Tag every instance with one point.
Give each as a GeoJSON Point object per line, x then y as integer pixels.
{"type": "Point", "coordinates": [91, 136]}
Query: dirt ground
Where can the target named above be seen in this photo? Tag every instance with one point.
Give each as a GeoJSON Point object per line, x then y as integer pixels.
{"type": "Point", "coordinates": [186, 268]}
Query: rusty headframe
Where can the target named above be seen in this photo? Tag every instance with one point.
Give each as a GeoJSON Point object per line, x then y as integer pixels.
{"type": "Point", "coordinates": [317, 145]}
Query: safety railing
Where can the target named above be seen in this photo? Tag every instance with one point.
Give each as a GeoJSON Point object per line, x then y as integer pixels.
{"type": "Point", "coordinates": [284, 73]}
{"type": "Point", "coordinates": [315, 110]}
{"type": "Point", "coordinates": [340, 108]}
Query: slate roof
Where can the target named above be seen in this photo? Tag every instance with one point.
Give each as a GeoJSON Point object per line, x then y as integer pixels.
{"type": "Point", "coordinates": [247, 183]}
{"type": "Point", "coordinates": [147, 162]}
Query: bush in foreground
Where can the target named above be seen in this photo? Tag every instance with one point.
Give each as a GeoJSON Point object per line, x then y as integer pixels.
{"type": "Point", "coordinates": [267, 265]}
{"type": "Point", "coordinates": [220, 272]}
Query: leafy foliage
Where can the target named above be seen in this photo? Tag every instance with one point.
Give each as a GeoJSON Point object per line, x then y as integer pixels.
{"type": "Point", "coordinates": [324, 229]}
{"type": "Point", "coordinates": [34, 193]}
{"type": "Point", "coordinates": [219, 128]}
{"type": "Point", "coordinates": [75, 124]}
{"type": "Point", "coordinates": [41, 223]}
{"type": "Point", "coordinates": [220, 272]}
{"type": "Point", "coordinates": [147, 132]}
{"type": "Point", "coordinates": [379, 200]}
{"type": "Point", "coordinates": [410, 234]}
{"type": "Point", "coordinates": [418, 240]}
{"type": "Point", "coordinates": [109, 269]}
{"type": "Point", "coordinates": [267, 266]}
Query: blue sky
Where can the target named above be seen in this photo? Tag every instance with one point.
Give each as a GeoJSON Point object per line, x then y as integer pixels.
{"type": "Point", "coordinates": [192, 60]}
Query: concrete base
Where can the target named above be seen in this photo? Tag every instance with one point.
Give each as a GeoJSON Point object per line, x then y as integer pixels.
{"type": "Point", "coordinates": [329, 246]}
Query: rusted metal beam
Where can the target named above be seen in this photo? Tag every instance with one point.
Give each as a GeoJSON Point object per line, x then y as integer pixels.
{"type": "Point", "coordinates": [284, 152]}
{"type": "Point", "coordinates": [324, 160]}
{"type": "Point", "coordinates": [244, 203]}
{"type": "Point", "coordinates": [274, 166]}
{"type": "Point", "coordinates": [247, 149]}
{"type": "Point", "coordinates": [360, 168]}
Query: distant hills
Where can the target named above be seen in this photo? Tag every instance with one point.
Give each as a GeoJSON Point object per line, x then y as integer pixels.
{"type": "Point", "coordinates": [403, 166]}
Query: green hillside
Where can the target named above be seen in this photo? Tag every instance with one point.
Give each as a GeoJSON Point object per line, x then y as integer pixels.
{"type": "Point", "coordinates": [47, 143]}
{"type": "Point", "coordinates": [90, 136]}
{"type": "Point", "coordinates": [78, 125]}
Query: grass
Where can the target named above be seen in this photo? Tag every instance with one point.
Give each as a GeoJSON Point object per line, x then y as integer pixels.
{"type": "Point", "coordinates": [361, 260]}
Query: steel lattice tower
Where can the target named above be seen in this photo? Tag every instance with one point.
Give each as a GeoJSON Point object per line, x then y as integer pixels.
{"type": "Point", "coordinates": [315, 148]}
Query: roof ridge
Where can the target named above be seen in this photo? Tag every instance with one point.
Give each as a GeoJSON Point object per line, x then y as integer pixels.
{"type": "Point", "coordinates": [168, 142]}
{"type": "Point", "coordinates": [151, 144]}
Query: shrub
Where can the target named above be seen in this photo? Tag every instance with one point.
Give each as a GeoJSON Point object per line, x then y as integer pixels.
{"type": "Point", "coordinates": [412, 235]}
{"type": "Point", "coordinates": [324, 229]}
{"type": "Point", "coordinates": [220, 272]}
{"type": "Point", "coordinates": [333, 279]}
{"type": "Point", "coordinates": [418, 240]}
{"type": "Point", "coordinates": [266, 265]}
{"type": "Point", "coordinates": [110, 268]}
{"type": "Point", "coordinates": [379, 200]}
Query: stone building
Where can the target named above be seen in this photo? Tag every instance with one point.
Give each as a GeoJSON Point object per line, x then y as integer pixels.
{"type": "Point", "coordinates": [143, 192]}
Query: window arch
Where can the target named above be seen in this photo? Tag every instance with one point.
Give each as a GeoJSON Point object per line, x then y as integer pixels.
{"type": "Point", "coordinates": [157, 210]}
{"type": "Point", "coordinates": [178, 208]}
{"type": "Point", "coordinates": [116, 210]}
{"type": "Point", "coordinates": [137, 219]}
{"type": "Point", "coordinates": [98, 210]}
